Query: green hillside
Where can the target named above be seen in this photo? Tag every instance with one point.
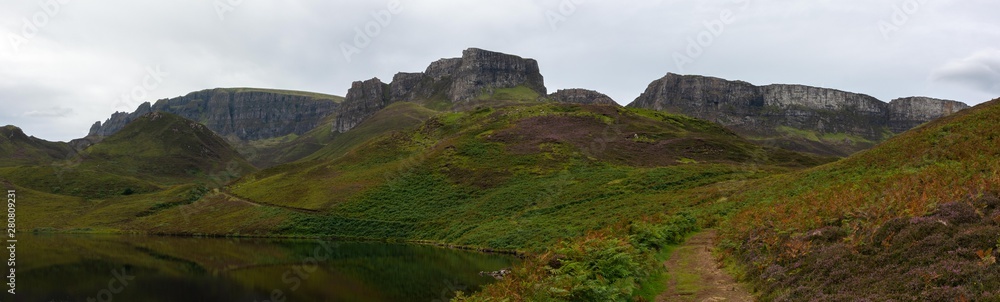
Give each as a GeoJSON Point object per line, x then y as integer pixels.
{"type": "Point", "coordinates": [512, 177]}
{"type": "Point", "coordinates": [17, 148]}
{"type": "Point", "coordinates": [395, 117]}
{"type": "Point", "coordinates": [155, 151]}
{"type": "Point", "coordinates": [915, 218]}
{"type": "Point", "coordinates": [166, 148]}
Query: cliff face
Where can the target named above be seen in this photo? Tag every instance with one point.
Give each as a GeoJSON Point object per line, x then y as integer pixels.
{"type": "Point", "coordinates": [581, 96]}
{"type": "Point", "coordinates": [483, 71]}
{"type": "Point", "coordinates": [244, 114]}
{"type": "Point", "coordinates": [804, 118]}
{"type": "Point", "coordinates": [906, 113]}
{"type": "Point", "coordinates": [452, 83]}
{"type": "Point", "coordinates": [363, 100]}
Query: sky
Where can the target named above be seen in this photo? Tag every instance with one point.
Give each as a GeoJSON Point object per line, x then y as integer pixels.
{"type": "Point", "coordinates": [65, 64]}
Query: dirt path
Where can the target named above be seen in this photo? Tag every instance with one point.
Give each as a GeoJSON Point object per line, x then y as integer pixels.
{"type": "Point", "coordinates": [695, 275]}
{"type": "Point", "coordinates": [232, 197]}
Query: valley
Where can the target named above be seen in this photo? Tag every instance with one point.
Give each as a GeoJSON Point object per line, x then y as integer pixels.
{"type": "Point", "coordinates": [475, 153]}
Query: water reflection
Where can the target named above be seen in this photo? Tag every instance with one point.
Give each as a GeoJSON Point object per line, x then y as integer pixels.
{"type": "Point", "coordinates": [146, 268]}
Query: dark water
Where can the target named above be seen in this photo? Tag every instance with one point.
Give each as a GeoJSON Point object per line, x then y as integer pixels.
{"type": "Point", "coordinates": [145, 268]}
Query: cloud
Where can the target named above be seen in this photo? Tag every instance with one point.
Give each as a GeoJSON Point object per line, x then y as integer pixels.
{"type": "Point", "coordinates": [50, 113]}
{"type": "Point", "coordinates": [980, 70]}
{"type": "Point", "coordinates": [81, 62]}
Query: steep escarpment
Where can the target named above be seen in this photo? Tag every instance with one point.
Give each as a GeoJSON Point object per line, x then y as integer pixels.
{"type": "Point", "coordinates": [804, 118]}
{"type": "Point", "coordinates": [581, 96]}
{"type": "Point", "coordinates": [363, 100]}
{"type": "Point", "coordinates": [906, 113]}
{"type": "Point", "coordinates": [238, 113]}
{"type": "Point", "coordinates": [478, 76]}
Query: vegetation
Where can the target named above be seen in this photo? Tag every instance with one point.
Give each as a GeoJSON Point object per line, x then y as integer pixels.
{"type": "Point", "coordinates": [315, 95]}
{"type": "Point", "coordinates": [72, 180]}
{"type": "Point", "coordinates": [600, 266]}
{"type": "Point", "coordinates": [594, 195]}
{"type": "Point", "coordinates": [877, 213]}
{"type": "Point", "coordinates": [508, 178]}
{"type": "Point", "coordinates": [20, 149]}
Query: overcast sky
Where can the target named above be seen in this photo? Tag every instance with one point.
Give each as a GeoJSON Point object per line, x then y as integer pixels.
{"type": "Point", "coordinates": [65, 64]}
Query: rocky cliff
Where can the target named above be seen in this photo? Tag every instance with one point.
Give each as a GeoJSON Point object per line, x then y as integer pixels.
{"type": "Point", "coordinates": [477, 76]}
{"type": "Point", "coordinates": [906, 113]}
{"type": "Point", "coordinates": [362, 101]}
{"type": "Point", "coordinates": [581, 96]}
{"type": "Point", "coordinates": [239, 113]}
{"type": "Point", "coordinates": [804, 118]}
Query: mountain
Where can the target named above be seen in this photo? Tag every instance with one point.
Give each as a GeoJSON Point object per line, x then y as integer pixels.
{"type": "Point", "coordinates": [915, 218]}
{"type": "Point", "coordinates": [168, 148]}
{"type": "Point", "coordinates": [155, 151]}
{"type": "Point", "coordinates": [797, 117]}
{"type": "Point", "coordinates": [580, 96]}
{"type": "Point", "coordinates": [17, 148]}
{"type": "Point", "coordinates": [446, 84]}
{"type": "Point", "coordinates": [251, 119]}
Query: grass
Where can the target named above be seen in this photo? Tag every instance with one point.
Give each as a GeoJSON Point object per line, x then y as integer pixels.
{"type": "Point", "coordinates": [20, 149]}
{"type": "Point", "coordinates": [334, 98]}
{"type": "Point", "coordinates": [657, 282]}
{"type": "Point", "coordinates": [516, 94]}
{"type": "Point", "coordinates": [436, 181]}
{"type": "Point", "coordinates": [72, 180]}
{"type": "Point", "coordinates": [553, 180]}
{"type": "Point", "coordinates": [911, 175]}
{"type": "Point", "coordinates": [166, 149]}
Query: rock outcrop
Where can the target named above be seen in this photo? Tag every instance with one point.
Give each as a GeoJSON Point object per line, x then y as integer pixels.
{"type": "Point", "coordinates": [483, 71]}
{"type": "Point", "coordinates": [454, 82]}
{"type": "Point", "coordinates": [242, 114]}
{"type": "Point", "coordinates": [581, 96]}
{"type": "Point", "coordinates": [907, 113]}
{"type": "Point", "coordinates": [832, 122]}
{"type": "Point", "coordinates": [362, 101]}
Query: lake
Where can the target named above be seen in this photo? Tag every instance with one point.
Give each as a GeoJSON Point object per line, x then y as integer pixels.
{"type": "Point", "coordinates": [65, 267]}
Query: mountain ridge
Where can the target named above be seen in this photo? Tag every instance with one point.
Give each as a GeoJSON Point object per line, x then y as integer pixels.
{"type": "Point", "coordinates": [241, 114]}
{"type": "Point", "coordinates": [855, 121]}
{"type": "Point", "coordinates": [446, 84]}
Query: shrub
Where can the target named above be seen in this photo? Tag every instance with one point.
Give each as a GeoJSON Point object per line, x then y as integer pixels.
{"type": "Point", "coordinates": [649, 235]}
{"type": "Point", "coordinates": [599, 268]}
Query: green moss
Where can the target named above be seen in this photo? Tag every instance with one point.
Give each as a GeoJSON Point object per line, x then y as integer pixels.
{"type": "Point", "coordinates": [516, 94]}
{"type": "Point", "coordinates": [334, 98]}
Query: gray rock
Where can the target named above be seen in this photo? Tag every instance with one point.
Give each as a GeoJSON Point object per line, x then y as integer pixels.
{"type": "Point", "coordinates": [456, 81]}
{"type": "Point", "coordinates": [907, 113]}
{"type": "Point", "coordinates": [759, 111]}
{"type": "Point", "coordinates": [244, 114]}
{"type": "Point", "coordinates": [482, 71]}
{"type": "Point", "coordinates": [363, 100]}
{"type": "Point", "coordinates": [581, 96]}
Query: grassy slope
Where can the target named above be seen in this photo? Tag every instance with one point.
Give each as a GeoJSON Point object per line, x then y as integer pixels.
{"type": "Point", "coordinates": [148, 155]}
{"type": "Point", "coordinates": [395, 117]}
{"type": "Point", "coordinates": [17, 149]}
{"type": "Point", "coordinates": [850, 202]}
{"type": "Point", "coordinates": [165, 148]}
{"type": "Point", "coordinates": [514, 177]}
{"type": "Point", "coordinates": [315, 95]}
